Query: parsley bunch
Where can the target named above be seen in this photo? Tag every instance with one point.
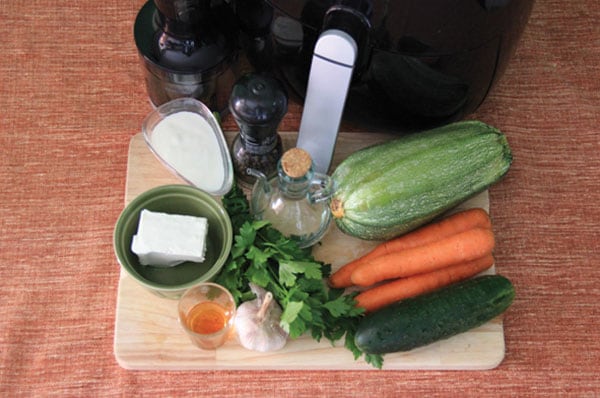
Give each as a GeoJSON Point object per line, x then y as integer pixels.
{"type": "Point", "coordinates": [265, 257]}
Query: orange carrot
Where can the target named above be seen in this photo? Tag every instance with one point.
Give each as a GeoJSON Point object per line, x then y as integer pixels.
{"type": "Point", "coordinates": [458, 248]}
{"type": "Point", "coordinates": [458, 222]}
{"type": "Point", "coordinates": [400, 289]}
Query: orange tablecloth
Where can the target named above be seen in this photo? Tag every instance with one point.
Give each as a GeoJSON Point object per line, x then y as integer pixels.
{"type": "Point", "coordinates": [72, 96]}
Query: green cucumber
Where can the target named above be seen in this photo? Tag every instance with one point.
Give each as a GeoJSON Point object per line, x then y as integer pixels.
{"type": "Point", "coordinates": [391, 188]}
{"type": "Point", "coordinates": [430, 317]}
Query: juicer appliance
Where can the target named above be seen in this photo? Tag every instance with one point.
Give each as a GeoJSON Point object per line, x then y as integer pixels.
{"type": "Point", "coordinates": [188, 48]}
{"type": "Point", "coordinates": [398, 65]}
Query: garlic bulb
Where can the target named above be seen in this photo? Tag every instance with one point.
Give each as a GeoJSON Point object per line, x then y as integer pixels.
{"type": "Point", "coordinates": [257, 322]}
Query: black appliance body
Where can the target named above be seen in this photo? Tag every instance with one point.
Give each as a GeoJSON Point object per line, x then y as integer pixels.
{"type": "Point", "coordinates": [419, 63]}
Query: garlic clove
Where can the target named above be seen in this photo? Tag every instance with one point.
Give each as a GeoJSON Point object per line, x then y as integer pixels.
{"type": "Point", "coordinates": [257, 323]}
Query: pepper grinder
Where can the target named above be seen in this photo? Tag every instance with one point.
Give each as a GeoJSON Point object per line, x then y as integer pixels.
{"type": "Point", "coordinates": [257, 103]}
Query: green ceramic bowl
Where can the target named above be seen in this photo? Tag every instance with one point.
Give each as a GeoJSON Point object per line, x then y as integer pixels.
{"type": "Point", "coordinates": [172, 282]}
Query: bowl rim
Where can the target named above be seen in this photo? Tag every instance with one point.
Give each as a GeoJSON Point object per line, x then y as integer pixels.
{"type": "Point", "coordinates": [189, 191]}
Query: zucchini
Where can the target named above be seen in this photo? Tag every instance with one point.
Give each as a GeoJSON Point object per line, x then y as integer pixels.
{"type": "Point", "coordinates": [392, 188]}
{"type": "Point", "coordinates": [434, 316]}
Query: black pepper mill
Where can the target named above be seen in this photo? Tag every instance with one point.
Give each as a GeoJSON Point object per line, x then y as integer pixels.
{"type": "Point", "coordinates": [257, 103]}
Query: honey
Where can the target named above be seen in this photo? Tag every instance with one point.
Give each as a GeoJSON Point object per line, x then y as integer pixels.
{"type": "Point", "coordinates": [207, 318]}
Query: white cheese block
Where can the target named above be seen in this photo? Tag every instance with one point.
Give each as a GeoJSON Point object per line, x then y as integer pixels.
{"type": "Point", "coordinates": [165, 240]}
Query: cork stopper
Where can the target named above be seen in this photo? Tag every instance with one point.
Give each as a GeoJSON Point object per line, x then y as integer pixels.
{"type": "Point", "coordinates": [296, 162]}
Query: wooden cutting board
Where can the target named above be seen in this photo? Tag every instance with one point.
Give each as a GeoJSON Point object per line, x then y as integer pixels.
{"type": "Point", "coordinates": [148, 336]}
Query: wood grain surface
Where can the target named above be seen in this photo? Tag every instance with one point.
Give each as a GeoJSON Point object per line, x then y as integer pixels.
{"type": "Point", "coordinates": [72, 97]}
{"type": "Point", "coordinates": [148, 336]}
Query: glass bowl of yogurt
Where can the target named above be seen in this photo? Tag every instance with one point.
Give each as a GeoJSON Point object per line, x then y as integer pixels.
{"type": "Point", "coordinates": [187, 139]}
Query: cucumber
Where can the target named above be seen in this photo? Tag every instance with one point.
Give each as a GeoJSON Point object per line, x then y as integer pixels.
{"type": "Point", "coordinates": [427, 318]}
{"type": "Point", "coordinates": [392, 188]}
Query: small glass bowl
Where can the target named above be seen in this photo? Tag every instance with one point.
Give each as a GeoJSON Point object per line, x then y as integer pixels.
{"type": "Point", "coordinates": [207, 314]}
{"type": "Point", "coordinates": [222, 159]}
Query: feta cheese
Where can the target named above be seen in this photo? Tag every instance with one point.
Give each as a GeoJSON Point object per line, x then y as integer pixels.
{"type": "Point", "coordinates": [165, 240]}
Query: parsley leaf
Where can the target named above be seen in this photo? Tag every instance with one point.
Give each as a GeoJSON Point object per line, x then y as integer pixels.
{"type": "Point", "coordinates": [263, 256]}
{"type": "Point", "coordinates": [288, 271]}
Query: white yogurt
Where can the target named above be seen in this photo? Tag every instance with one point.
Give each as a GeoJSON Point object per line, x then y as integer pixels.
{"type": "Point", "coordinates": [187, 143]}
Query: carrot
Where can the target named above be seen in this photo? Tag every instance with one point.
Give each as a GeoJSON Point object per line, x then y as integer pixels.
{"type": "Point", "coordinates": [458, 248]}
{"type": "Point", "coordinates": [458, 222]}
{"type": "Point", "coordinates": [403, 288]}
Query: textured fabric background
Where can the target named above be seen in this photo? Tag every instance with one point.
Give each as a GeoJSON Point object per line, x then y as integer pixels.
{"type": "Point", "coordinates": [72, 95]}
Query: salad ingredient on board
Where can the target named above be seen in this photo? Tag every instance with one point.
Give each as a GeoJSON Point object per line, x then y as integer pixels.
{"type": "Point", "coordinates": [427, 318]}
{"type": "Point", "coordinates": [257, 323]}
{"type": "Point", "coordinates": [457, 222]}
{"type": "Point", "coordinates": [459, 248]}
{"type": "Point", "coordinates": [428, 258]}
{"type": "Point", "coordinates": [399, 289]}
{"type": "Point", "coordinates": [263, 256]}
{"type": "Point", "coordinates": [166, 240]}
{"type": "Point", "coordinates": [389, 189]}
